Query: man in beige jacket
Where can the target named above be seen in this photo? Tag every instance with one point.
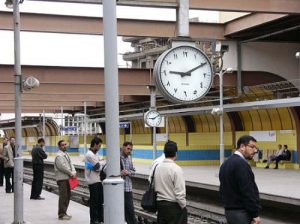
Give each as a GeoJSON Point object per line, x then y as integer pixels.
{"type": "Point", "coordinates": [170, 187]}
{"type": "Point", "coordinates": [64, 170]}
{"type": "Point", "coordinates": [8, 156]}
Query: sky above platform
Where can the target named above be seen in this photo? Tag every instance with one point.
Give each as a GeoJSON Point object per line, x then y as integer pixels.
{"type": "Point", "coordinates": [73, 49]}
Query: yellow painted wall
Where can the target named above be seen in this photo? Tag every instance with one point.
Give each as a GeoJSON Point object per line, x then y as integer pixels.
{"type": "Point", "coordinates": [209, 138]}
{"type": "Point", "coordinates": [282, 137]}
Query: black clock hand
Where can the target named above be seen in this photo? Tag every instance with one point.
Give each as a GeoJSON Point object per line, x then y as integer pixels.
{"type": "Point", "coordinates": [153, 117]}
{"type": "Point", "coordinates": [182, 74]}
{"type": "Point", "coordinates": [177, 73]}
{"type": "Point", "coordinates": [193, 69]}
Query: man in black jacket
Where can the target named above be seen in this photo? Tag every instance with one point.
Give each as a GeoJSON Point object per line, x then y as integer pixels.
{"type": "Point", "coordinates": [38, 155]}
{"type": "Point", "coordinates": [238, 189]}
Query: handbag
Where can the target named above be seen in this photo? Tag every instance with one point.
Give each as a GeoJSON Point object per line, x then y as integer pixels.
{"type": "Point", "coordinates": [74, 182]}
{"type": "Point", "coordinates": [148, 202]}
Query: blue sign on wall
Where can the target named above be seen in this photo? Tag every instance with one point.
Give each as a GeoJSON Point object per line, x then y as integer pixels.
{"type": "Point", "coordinates": [71, 128]}
{"type": "Point", "coordinates": [124, 124]}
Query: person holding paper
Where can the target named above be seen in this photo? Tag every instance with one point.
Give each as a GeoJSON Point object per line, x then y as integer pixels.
{"type": "Point", "coordinates": [92, 178]}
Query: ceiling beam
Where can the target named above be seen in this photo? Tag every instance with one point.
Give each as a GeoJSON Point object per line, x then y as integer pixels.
{"type": "Point", "coordinates": [250, 21]}
{"type": "Point", "coordinates": [269, 6]}
{"type": "Point", "coordinates": [75, 75]}
{"type": "Point", "coordinates": [75, 89]}
{"type": "Point", "coordinates": [34, 22]}
{"type": "Point", "coordinates": [46, 103]}
{"type": "Point", "coordinates": [28, 109]}
{"type": "Point", "coordinates": [27, 96]}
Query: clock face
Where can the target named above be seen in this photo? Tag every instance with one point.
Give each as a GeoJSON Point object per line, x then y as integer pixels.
{"type": "Point", "coordinates": [153, 118]}
{"type": "Point", "coordinates": [183, 74]}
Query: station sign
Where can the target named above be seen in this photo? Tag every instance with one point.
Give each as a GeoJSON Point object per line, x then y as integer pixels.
{"type": "Point", "coordinates": [70, 128]}
{"type": "Point", "coordinates": [124, 124]}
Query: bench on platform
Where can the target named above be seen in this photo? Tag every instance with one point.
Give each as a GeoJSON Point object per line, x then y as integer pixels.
{"type": "Point", "coordinates": [283, 164]}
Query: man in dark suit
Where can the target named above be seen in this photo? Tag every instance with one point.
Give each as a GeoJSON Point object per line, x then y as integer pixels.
{"type": "Point", "coordinates": [38, 156]}
{"type": "Point", "coordinates": [238, 189]}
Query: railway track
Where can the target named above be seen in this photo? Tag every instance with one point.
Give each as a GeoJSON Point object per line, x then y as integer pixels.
{"type": "Point", "coordinates": [203, 204]}
{"type": "Point", "coordinates": [196, 214]}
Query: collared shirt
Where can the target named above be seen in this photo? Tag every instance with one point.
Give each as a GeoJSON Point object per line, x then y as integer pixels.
{"type": "Point", "coordinates": [126, 164]}
{"type": "Point", "coordinates": [240, 154]}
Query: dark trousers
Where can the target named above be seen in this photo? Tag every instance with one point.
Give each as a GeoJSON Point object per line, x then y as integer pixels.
{"type": "Point", "coordinates": [129, 208]}
{"type": "Point", "coordinates": [1, 171]}
{"type": "Point", "coordinates": [170, 213]}
{"type": "Point", "coordinates": [279, 158]}
{"type": "Point", "coordinates": [96, 202]}
{"type": "Point", "coordinates": [37, 183]}
{"type": "Point", "coordinates": [64, 197]}
{"type": "Point", "coordinates": [9, 174]}
{"type": "Point", "coordinates": [238, 216]}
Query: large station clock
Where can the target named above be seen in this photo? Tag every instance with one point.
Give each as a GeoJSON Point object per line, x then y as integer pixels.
{"type": "Point", "coordinates": [183, 74]}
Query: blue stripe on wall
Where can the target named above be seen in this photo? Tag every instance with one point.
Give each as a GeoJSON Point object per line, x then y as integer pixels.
{"type": "Point", "coordinates": [213, 154]}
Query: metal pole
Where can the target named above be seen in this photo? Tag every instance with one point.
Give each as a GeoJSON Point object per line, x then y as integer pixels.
{"type": "Point", "coordinates": [84, 137]}
{"type": "Point", "coordinates": [62, 120]}
{"type": "Point", "coordinates": [182, 14]}
{"type": "Point", "coordinates": [153, 106]}
{"type": "Point", "coordinates": [44, 125]}
{"type": "Point", "coordinates": [221, 119]}
{"type": "Point", "coordinates": [239, 69]}
{"type": "Point", "coordinates": [130, 123]}
{"type": "Point", "coordinates": [68, 124]}
{"type": "Point", "coordinates": [167, 126]}
{"type": "Point", "coordinates": [113, 184]}
{"type": "Point", "coordinates": [18, 171]}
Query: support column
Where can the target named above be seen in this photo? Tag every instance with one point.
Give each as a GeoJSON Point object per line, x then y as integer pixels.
{"type": "Point", "coordinates": [18, 171]}
{"type": "Point", "coordinates": [113, 184]}
{"type": "Point", "coordinates": [153, 107]}
{"type": "Point", "coordinates": [182, 17]}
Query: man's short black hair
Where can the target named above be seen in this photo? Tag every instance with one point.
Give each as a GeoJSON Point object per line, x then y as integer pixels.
{"type": "Point", "coordinates": [127, 143]}
{"type": "Point", "coordinates": [96, 141]}
{"type": "Point", "coordinates": [40, 140]}
{"type": "Point", "coordinates": [170, 149]}
{"type": "Point", "coordinates": [59, 142]}
{"type": "Point", "coordinates": [245, 140]}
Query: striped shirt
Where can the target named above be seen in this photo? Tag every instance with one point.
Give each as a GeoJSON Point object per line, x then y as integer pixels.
{"type": "Point", "coordinates": [126, 164]}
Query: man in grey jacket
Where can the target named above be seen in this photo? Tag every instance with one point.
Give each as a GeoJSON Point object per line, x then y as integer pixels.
{"type": "Point", "coordinates": [9, 154]}
{"type": "Point", "coordinates": [92, 178]}
{"type": "Point", "coordinates": [64, 170]}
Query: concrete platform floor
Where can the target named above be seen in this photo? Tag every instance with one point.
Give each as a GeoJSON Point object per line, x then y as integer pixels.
{"type": "Point", "coordinates": [40, 211]}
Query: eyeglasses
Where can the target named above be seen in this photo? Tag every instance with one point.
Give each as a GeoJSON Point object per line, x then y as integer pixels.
{"type": "Point", "coordinates": [252, 146]}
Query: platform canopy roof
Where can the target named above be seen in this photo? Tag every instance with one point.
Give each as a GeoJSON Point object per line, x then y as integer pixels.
{"type": "Point", "coordinates": [268, 20]}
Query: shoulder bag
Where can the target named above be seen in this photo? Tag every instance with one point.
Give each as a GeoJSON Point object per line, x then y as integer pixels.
{"type": "Point", "coordinates": [148, 202]}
